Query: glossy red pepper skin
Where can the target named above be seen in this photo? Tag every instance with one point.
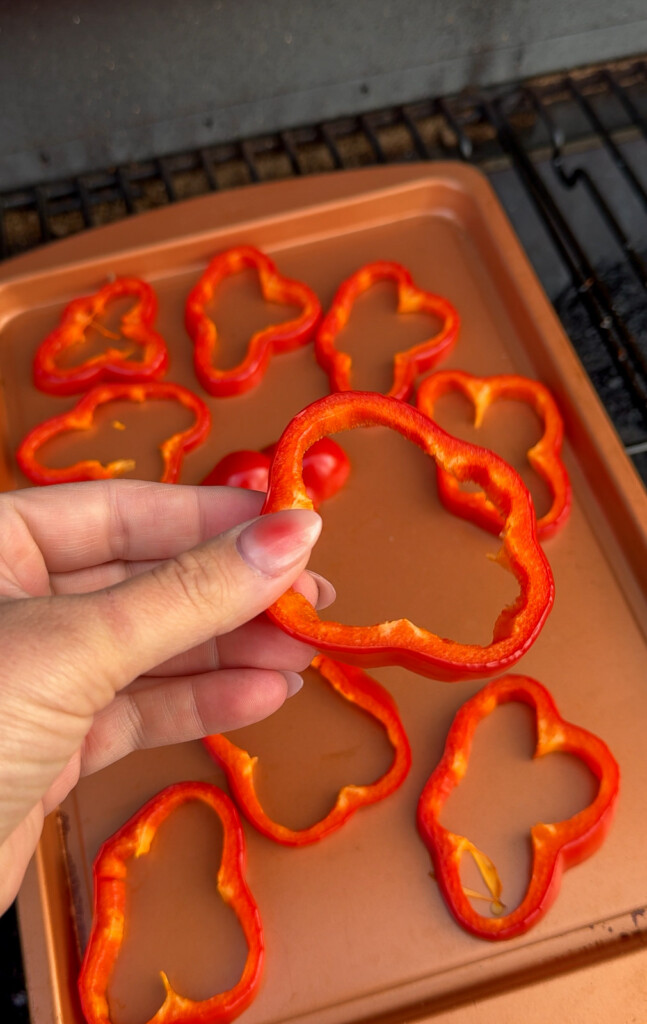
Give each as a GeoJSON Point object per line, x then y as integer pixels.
{"type": "Point", "coordinates": [109, 924]}
{"type": "Point", "coordinates": [264, 343]}
{"type": "Point", "coordinates": [245, 468]}
{"type": "Point", "coordinates": [555, 846]}
{"type": "Point", "coordinates": [411, 299]}
{"type": "Point", "coordinates": [355, 686]}
{"type": "Point", "coordinates": [400, 642]}
{"type": "Point", "coordinates": [137, 326]}
{"type": "Point", "coordinates": [81, 417]}
{"type": "Point", "coordinates": [544, 457]}
{"type": "Point", "coordinates": [326, 468]}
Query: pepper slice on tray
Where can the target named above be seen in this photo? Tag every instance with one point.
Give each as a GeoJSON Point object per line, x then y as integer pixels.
{"type": "Point", "coordinates": [264, 343]}
{"type": "Point", "coordinates": [544, 457]}
{"type": "Point", "coordinates": [358, 688]}
{"type": "Point", "coordinates": [244, 468]}
{"type": "Point", "coordinates": [81, 417]}
{"type": "Point", "coordinates": [555, 846]}
{"type": "Point", "coordinates": [109, 924]}
{"type": "Point", "coordinates": [78, 317]}
{"type": "Point", "coordinates": [325, 470]}
{"type": "Point", "coordinates": [400, 642]}
{"type": "Point", "coordinates": [411, 299]}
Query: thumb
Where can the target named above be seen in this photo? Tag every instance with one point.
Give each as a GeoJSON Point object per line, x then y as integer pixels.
{"type": "Point", "coordinates": [204, 592]}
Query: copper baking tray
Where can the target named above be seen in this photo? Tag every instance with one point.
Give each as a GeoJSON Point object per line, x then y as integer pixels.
{"type": "Point", "coordinates": [356, 929]}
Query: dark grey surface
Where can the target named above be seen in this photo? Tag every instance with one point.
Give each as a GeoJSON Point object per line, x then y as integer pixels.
{"type": "Point", "coordinates": [13, 998]}
{"type": "Point", "coordinates": [87, 85]}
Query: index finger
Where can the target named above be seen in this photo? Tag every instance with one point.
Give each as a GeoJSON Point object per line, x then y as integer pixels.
{"type": "Point", "coordinates": [86, 524]}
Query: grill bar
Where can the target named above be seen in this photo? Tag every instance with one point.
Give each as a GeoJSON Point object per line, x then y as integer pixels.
{"type": "Point", "coordinates": [607, 138]}
{"type": "Point", "coordinates": [581, 176]}
{"type": "Point", "coordinates": [613, 331]}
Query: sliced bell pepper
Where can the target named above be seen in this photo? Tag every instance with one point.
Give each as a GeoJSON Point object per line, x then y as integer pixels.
{"type": "Point", "coordinates": [325, 470]}
{"type": "Point", "coordinates": [264, 343]}
{"type": "Point", "coordinates": [114, 364]}
{"type": "Point", "coordinates": [401, 642]}
{"type": "Point", "coordinates": [358, 688]}
{"type": "Point", "coordinates": [109, 924]}
{"type": "Point", "coordinates": [244, 468]}
{"type": "Point", "coordinates": [555, 846]}
{"type": "Point", "coordinates": [544, 457]}
{"type": "Point", "coordinates": [81, 417]}
{"type": "Point", "coordinates": [411, 299]}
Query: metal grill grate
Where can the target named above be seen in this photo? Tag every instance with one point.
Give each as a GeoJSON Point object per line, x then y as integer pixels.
{"type": "Point", "coordinates": [565, 154]}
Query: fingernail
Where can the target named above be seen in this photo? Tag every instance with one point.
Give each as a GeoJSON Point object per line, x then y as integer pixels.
{"type": "Point", "coordinates": [274, 543]}
{"type": "Point", "coordinates": [294, 681]}
{"type": "Point", "coordinates": [327, 592]}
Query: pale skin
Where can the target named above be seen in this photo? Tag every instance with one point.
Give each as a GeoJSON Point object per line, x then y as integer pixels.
{"type": "Point", "coordinates": [130, 617]}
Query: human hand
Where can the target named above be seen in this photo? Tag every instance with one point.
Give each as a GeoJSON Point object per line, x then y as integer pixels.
{"type": "Point", "coordinates": [129, 618]}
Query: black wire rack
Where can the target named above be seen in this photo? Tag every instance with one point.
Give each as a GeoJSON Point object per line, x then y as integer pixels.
{"type": "Point", "coordinates": [565, 154]}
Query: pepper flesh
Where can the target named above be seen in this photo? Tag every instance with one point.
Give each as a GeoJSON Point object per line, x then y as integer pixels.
{"type": "Point", "coordinates": [400, 641]}
{"type": "Point", "coordinates": [112, 365]}
{"type": "Point", "coordinates": [245, 468]}
{"type": "Point", "coordinates": [544, 457]}
{"type": "Point", "coordinates": [355, 686]}
{"type": "Point", "coordinates": [411, 299]}
{"type": "Point", "coordinates": [264, 343]}
{"type": "Point", "coordinates": [81, 417]}
{"type": "Point", "coordinates": [134, 839]}
{"type": "Point", "coordinates": [325, 470]}
{"type": "Point", "coordinates": [555, 846]}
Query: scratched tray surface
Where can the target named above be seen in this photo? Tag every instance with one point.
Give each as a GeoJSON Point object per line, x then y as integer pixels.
{"type": "Point", "coordinates": [355, 926]}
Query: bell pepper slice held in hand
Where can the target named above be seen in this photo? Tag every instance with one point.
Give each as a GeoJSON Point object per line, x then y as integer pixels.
{"type": "Point", "coordinates": [544, 457]}
{"type": "Point", "coordinates": [263, 344]}
{"type": "Point", "coordinates": [325, 470]}
{"type": "Point", "coordinates": [358, 688]}
{"type": "Point", "coordinates": [136, 326]}
{"type": "Point", "coordinates": [411, 299]}
{"type": "Point", "coordinates": [400, 642]}
{"type": "Point", "coordinates": [109, 923]}
{"type": "Point", "coordinates": [81, 417]}
{"type": "Point", "coordinates": [556, 846]}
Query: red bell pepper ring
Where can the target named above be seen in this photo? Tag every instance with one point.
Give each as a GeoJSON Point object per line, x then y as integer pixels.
{"type": "Point", "coordinates": [81, 417]}
{"type": "Point", "coordinates": [544, 457]}
{"type": "Point", "coordinates": [355, 686]}
{"type": "Point", "coordinates": [264, 343]}
{"type": "Point", "coordinates": [411, 299]}
{"type": "Point", "coordinates": [325, 470]}
{"type": "Point", "coordinates": [400, 642]}
{"type": "Point", "coordinates": [555, 846]}
{"type": "Point", "coordinates": [109, 923]}
{"type": "Point", "coordinates": [113, 364]}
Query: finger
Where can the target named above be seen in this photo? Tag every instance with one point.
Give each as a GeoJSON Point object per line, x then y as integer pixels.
{"type": "Point", "coordinates": [257, 644]}
{"type": "Point", "coordinates": [248, 645]}
{"type": "Point", "coordinates": [96, 577]}
{"type": "Point", "coordinates": [127, 630]}
{"type": "Point", "coordinates": [77, 525]}
{"type": "Point", "coordinates": [184, 709]}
